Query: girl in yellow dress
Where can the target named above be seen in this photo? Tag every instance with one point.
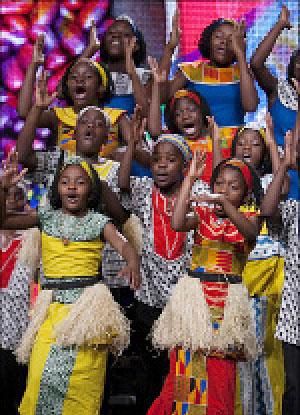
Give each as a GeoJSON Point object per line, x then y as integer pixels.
{"type": "Point", "coordinates": [75, 321]}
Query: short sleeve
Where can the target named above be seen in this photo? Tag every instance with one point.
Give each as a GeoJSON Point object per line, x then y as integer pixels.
{"type": "Point", "coordinates": [136, 200]}
{"type": "Point", "coordinates": [47, 162]}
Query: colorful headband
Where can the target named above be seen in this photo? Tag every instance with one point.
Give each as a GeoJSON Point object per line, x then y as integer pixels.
{"type": "Point", "coordinates": [179, 142]}
{"type": "Point", "coordinates": [184, 93]}
{"type": "Point", "coordinates": [78, 161]}
{"type": "Point", "coordinates": [261, 131]}
{"type": "Point", "coordinates": [99, 68]}
{"type": "Point", "coordinates": [129, 20]}
{"type": "Point", "coordinates": [244, 169]}
{"type": "Point", "coordinates": [93, 107]}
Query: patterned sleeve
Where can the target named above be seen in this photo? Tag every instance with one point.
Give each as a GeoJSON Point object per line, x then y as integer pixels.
{"type": "Point", "coordinates": [45, 213]}
{"type": "Point", "coordinates": [200, 187]}
{"type": "Point", "coordinates": [47, 162]}
{"type": "Point", "coordinates": [101, 220]}
{"type": "Point", "coordinates": [144, 75]}
{"type": "Point", "coordinates": [136, 199]}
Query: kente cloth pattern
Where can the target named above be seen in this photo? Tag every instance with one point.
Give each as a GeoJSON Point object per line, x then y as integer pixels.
{"type": "Point", "coordinates": [218, 246]}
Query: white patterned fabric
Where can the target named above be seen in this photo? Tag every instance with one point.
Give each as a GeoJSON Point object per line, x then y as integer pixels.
{"type": "Point", "coordinates": [159, 274]}
{"type": "Point", "coordinates": [287, 95]}
{"type": "Point", "coordinates": [288, 327]}
{"type": "Point", "coordinates": [123, 84]}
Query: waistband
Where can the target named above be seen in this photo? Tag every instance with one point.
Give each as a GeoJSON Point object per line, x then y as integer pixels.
{"type": "Point", "coordinates": [210, 277]}
{"type": "Point", "coordinates": [68, 283]}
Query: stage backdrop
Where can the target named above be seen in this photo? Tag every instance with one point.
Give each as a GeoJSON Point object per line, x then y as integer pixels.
{"type": "Point", "coordinates": [66, 24]}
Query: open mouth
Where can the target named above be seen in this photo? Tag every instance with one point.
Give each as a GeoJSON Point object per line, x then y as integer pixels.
{"type": "Point", "coordinates": [221, 50]}
{"type": "Point", "coordinates": [189, 129]}
{"type": "Point", "coordinates": [80, 92]}
{"type": "Point", "coordinates": [247, 158]}
{"type": "Point", "coordinates": [115, 42]}
{"type": "Point", "coordinates": [72, 199]}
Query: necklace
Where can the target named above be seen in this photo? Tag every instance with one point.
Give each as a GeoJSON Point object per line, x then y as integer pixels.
{"type": "Point", "coordinates": [167, 210]}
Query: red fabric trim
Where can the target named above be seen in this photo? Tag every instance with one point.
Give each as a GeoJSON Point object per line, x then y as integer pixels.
{"type": "Point", "coordinates": [209, 228]}
{"type": "Point", "coordinates": [160, 217]}
{"type": "Point", "coordinates": [9, 252]}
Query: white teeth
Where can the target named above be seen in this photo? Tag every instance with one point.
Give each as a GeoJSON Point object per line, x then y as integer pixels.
{"type": "Point", "coordinates": [81, 95]}
{"type": "Point", "coordinates": [115, 42]}
{"type": "Point", "coordinates": [190, 130]}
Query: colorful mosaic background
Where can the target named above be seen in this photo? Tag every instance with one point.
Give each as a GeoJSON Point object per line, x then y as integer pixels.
{"type": "Point", "coordinates": [66, 24]}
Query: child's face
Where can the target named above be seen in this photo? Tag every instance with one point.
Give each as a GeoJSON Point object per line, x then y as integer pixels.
{"type": "Point", "coordinates": [74, 187]}
{"type": "Point", "coordinates": [114, 38]}
{"type": "Point", "coordinates": [83, 85]}
{"type": "Point", "coordinates": [15, 201]}
{"type": "Point", "coordinates": [188, 118]}
{"type": "Point", "coordinates": [91, 133]}
{"type": "Point", "coordinates": [230, 183]}
{"type": "Point", "coordinates": [166, 165]}
{"type": "Point", "coordinates": [221, 52]}
{"type": "Point", "coordinates": [250, 147]}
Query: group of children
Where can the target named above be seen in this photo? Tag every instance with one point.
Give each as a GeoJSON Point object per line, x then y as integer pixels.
{"type": "Point", "coordinates": [181, 251]}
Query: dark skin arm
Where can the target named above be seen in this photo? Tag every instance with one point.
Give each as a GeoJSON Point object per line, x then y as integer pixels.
{"type": "Point", "coordinates": [137, 131]}
{"type": "Point", "coordinates": [181, 221]}
{"type": "Point", "coordinates": [26, 136]}
{"type": "Point", "coordinates": [265, 79]}
{"type": "Point", "coordinates": [269, 205]}
{"type": "Point", "coordinates": [249, 95]}
{"type": "Point", "coordinates": [47, 118]}
{"type": "Point", "coordinates": [154, 116]}
{"type": "Point", "coordinates": [112, 206]}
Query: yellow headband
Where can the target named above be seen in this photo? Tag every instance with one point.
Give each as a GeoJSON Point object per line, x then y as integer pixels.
{"type": "Point", "coordinates": [87, 169]}
{"type": "Point", "coordinates": [261, 131]}
{"type": "Point", "coordinates": [101, 71]}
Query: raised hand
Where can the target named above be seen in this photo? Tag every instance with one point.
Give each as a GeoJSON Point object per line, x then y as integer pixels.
{"type": "Point", "coordinates": [290, 151]}
{"type": "Point", "coordinates": [197, 165]}
{"type": "Point", "coordinates": [158, 74]}
{"type": "Point", "coordinates": [238, 38]}
{"type": "Point", "coordinates": [38, 57]}
{"type": "Point", "coordinates": [270, 139]}
{"type": "Point", "coordinates": [130, 46]}
{"type": "Point", "coordinates": [137, 126]}
{"type": "Point", "coordinates": [94, 42]}
{"type": "Point", "coordinates": [42, 98]}
{"type": "Point", "coordinates": [284, 18]}
{"type": "Point", "coordinates": [176, 32]}
{"type": "Point", "coordinates": [11, 175]}
{"type": "Point", "coordinates": [213, 128]}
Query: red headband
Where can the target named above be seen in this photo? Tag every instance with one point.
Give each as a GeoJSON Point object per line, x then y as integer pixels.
{"type": "Point", "coordinates": [183, 93]}
{"type": "Point", "coordinates": [244, 169]}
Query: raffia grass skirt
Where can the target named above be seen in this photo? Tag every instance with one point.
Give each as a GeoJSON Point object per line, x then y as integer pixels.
{"type": "Point", "coordinates": [186, 321]}
{"type": "Point", "coordinates": [68, 346]}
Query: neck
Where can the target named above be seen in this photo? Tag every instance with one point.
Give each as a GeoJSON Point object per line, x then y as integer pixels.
{"type": "Point", "coordinates": [78, 107]}
{"type": "Point", "coordinates": [172, 190]}
{"type": "Point", "coordinates": [78, 214]}
{"type": "Point", "coordinates": [117, 66]}
{"type": "Point", "coordinates": [218, 65]}
{"type": "Point", "coordinates": [92, 158]}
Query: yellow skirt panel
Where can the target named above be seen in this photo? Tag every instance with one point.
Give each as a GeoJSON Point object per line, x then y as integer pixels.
{"type": "Point", "coordinates": [86, 383]}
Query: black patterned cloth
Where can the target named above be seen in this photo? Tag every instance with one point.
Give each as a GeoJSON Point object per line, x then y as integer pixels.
{"type": "Point", "coordinates": [288, 326]}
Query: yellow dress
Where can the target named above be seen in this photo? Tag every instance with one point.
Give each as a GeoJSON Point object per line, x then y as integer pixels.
{"type": "Point", "coordinates": [66, 124]}
{"type": "Point", "coordinates": [76, 328]}
{"type": "Point", "coordinates": [263, 276]}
